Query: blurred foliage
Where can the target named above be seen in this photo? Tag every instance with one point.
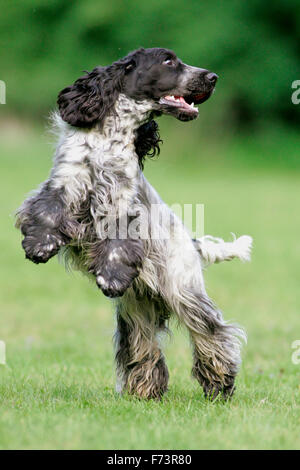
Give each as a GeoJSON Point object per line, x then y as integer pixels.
{"type": "Point", "coordinates": [253, 46]}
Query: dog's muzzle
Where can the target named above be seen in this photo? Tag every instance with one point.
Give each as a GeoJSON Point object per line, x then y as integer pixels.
{"type": "Point", "coordinates": [197, 87]}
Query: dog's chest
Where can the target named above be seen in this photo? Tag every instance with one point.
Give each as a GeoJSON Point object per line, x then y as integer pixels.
{"type": "Point", "coordinates": [116, 157]}
{"type": "Point", "coordinates": [114, 168]}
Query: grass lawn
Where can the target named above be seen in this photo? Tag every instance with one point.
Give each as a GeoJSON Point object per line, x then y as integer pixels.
{"type": "Point", "coordinates": [57, 389]}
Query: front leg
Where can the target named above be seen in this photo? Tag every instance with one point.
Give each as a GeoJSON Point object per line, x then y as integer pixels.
{"type": "Point", "coordinates": [50, 218]}
{"type": "Point", "coordinates": [115, 264]}
{"type": "Point", "coordinates": [42, 221]}
{"type": "Point", "coordinates": [41, 243]}
{"type": "Point", "coordinates": [116, 255]}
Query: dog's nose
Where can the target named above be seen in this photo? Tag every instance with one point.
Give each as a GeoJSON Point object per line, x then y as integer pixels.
{"type": "Point", "coordinates": [211, 77]}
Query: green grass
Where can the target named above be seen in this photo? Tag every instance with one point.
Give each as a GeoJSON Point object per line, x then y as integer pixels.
{"type": "Point", "coordinates": [57, 389]}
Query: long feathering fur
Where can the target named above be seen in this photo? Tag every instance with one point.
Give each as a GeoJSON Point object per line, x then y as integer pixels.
{"type": "Point", "coordinates": [91, 97]}
{"type": "Point", "coordinates": [147, 141]}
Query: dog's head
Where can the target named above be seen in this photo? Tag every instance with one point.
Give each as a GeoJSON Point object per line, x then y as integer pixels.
{"type": "Point", "coordinates": [153, 75]}
{"type": "Point", "coordinates": [173, 87]}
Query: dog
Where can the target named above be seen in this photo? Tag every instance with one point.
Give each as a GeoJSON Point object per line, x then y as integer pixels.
{"type": "Point", "coordinates": [107, 127]}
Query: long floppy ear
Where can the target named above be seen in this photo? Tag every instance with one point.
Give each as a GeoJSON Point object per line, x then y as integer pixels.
{"type": "Point", "coordinates": [92, 96]}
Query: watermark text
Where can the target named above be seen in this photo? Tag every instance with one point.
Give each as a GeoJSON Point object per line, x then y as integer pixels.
{"type": "Point", "coordinates": [296, 353]}
{"type": "Point", "coordinates": [296, 94]}
{"type": "Point", "coordinates": [156, 222]}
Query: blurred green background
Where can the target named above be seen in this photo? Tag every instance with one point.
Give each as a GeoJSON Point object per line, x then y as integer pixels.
{"type": "Point", "coordinates": [240, 158]}
{"type": "Point", "coordinates": [253, 46]}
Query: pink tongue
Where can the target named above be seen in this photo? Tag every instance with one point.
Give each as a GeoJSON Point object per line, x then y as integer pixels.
{"type": "Point", "coordinates": [177, 98]}
{"type": "Point", "coordinates": [181, 99]}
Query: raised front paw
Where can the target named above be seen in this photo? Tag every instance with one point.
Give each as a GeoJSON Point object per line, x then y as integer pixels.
{"type": "Point", "coordinates": [39, 248]}
{"type": "Point", "coordinates": [115, 283]}
{"type": "Point", "coordinates": [116, 263]}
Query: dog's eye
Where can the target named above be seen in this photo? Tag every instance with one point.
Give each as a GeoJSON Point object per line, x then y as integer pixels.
{"type": "Point", "coordinates": [170, 62]}
{"type": "Point", "coordinates": [129, 67]}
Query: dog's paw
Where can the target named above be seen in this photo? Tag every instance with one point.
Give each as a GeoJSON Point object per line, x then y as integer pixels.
{"type": "Point", "coordinates": [116, 265]}
{"type": "Point", "coordinates": [212, 390]}
{"type": "Point", "coordinates": [40, 249]}
{"type": "Point", "coordinates": [217, 386]}
{"type": "Point", "coordinates": [116, 283]}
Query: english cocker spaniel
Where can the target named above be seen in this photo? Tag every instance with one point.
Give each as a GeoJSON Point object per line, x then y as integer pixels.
{"type": "Point", "coordinates": [98, 209]}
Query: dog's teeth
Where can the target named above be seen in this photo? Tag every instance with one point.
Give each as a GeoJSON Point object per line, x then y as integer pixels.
{"type": "Point", "coordinates": [192, 105]}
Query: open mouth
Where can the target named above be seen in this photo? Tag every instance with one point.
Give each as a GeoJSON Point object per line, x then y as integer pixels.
{"type": "Point", "coordinates": [185, 104]}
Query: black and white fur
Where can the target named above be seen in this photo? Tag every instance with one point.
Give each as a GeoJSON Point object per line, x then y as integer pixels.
{"type": "Point", "coordinates": [106, 129]}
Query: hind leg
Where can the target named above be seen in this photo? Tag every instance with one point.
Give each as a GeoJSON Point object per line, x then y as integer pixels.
{"type": "Point", "coordinates": [216, 349]}
{"type": "Point", "coordinates": [216, 346]}
{"type": "Point", "coordinates": [141, 367]}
